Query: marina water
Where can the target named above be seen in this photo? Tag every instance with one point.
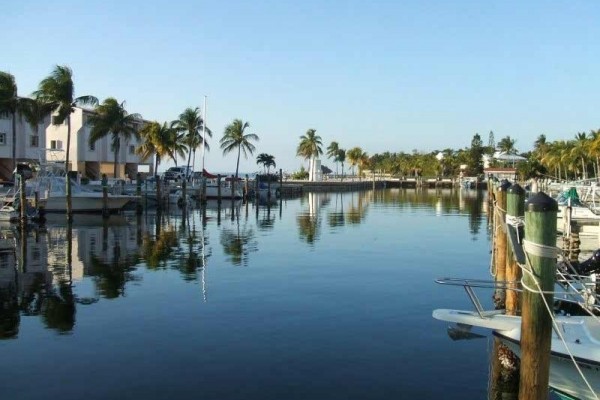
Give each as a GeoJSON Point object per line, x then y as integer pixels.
{"type": "Point", "coordinates": [324, 296]}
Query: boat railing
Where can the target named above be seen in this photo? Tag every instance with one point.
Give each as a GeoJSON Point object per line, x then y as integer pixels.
{"type": "Point", "coordinates": [573, 289]}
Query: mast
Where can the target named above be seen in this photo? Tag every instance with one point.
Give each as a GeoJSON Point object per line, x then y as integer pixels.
{"type": "Point", "coordinates": [203, 134]}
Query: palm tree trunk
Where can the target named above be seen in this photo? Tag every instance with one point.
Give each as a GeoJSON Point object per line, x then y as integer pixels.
{"type": "Point", "coordinates": [68, 180]}
{"type": "Point", "coordinates": [188, 165]}
{"type": "Point", "coordinates": [583, 169]}
{"type": "Point", "coordinates": [237, 166]}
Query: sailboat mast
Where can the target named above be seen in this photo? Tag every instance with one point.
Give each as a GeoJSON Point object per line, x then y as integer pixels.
{"type": "Point", "coordinates": [203, 133]}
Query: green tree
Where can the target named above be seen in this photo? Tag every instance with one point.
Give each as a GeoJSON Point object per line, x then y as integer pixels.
{"type": "Point", "coordinates": [267, 161]}
{"type": "Point", "coordinates": [161, 141]}
{"type": "Point", "coordinates": [507, 145]}
{"type": "Point", "coordinates": [58, 92]}
{"type": "Point", "coordinates": [191, 124]}
{"type": "Point", "coordinates": [332, 152]}
{"type": "Point", "coordinates": [476, 152]}
{"type": "Point", "coordinates": [111, 118]}
{"type": "Point", "coordinates": [353, 155]}
{"type": "Point", "coordinates": [310, 148]}
{"type": "Point", "coordinates": [581, 150]}
{"type": "Point", "coordinates": [235, 138]}
{"type": "Point", "coordinates": [341, 158]}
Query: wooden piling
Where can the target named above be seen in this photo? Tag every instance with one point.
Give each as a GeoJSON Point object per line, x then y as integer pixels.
{"type": "Point", "coordinates": [536, 321]}
{"type": "Point", "coordinates": [280, 182]}
{"type": "Point", "coordinates": [256, 187]}
{"type": "Point", "coordinates": [515, 209]}
{"type": "Point", "coordinates": [105, 210]}
{"type": "Point", "coordinates": [219, 188]}
{"type": "Point", "coordinates": [184, 192]}
{"type": "Point", "coordinates": [22, 199]}
{"type": "Point", "coordinates": [246, 185]}
{"type": "Point", "coordinates": [158, 193]}
{"type": "Point", "coordinates": [500, 239]}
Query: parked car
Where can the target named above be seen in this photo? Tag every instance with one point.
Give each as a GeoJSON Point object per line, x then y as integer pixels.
{"type": "Point", "coordinates": [177, 173]}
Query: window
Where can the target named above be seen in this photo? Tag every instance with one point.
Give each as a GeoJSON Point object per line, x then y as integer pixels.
{"type": "Point", "coordinates": [132, 149]}
{"type": "Point", "coordinates": [92, 146]}
{"type": "Point", "coordinates": [56, 144]}
{"type": "Point", "coordinates": [35, 141]}
{"type": "Point", "coordinates": [2, 139]}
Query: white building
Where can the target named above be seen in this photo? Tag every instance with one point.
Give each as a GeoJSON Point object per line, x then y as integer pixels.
{"type": "Point", "coordinates": [97, 159]}
{"type": "Point", "coordinates": [29, 143]}
{"type": "Point", "coordinates": [90, 161]}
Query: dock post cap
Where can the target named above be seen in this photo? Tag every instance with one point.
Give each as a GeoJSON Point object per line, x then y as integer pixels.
{"type": "Point", "coordinates": [541, 202]}
{"type": "Point", "coordinates": [504, 185]}
{"type": "Point", "coordinates": [515, 188]}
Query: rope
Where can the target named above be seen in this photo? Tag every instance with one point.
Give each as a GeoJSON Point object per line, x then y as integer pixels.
{"type": "Point", "coordinates": [554, 323]}
{"type": "Point", "coordinates": [515, 221]}
{"type": "Point", "coordinates": [540, 250]}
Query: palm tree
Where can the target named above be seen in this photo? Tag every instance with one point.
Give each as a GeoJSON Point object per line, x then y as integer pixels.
{"type": "Point", "coordinates": [190, 123]}
{"type": "Point", "coordinates": [266, 160]}
{"type": "Point", "coordinates": [161, 141]}
{"type": "Point", "coordinates": [111, 118]}
{"type": "Point", "coordinates": [354, 155]}
{"type": "Point", "coordinates": [341, 158]}
{"type": "Point", "coordinates": [35, 112]}
{"type": "Point", "coordinates": [363, 163]}
{"type": "Point", "coordinates": [332, 152]}
{"type": "Point", "coordinates": [57, 90]}
{"type": "Point", "coordinates": [507, 145]}
{"type": "Point", "coordinates": [580, 150]}
{"type": "Point", "coordinates": [234, 137]}
{"type": "Point", "coordinates": [310, 148]}
{"type": "Point", "coordinates": [10, 104]}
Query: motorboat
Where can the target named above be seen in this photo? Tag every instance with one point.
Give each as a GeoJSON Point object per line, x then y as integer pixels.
{"type": "Point", "coordinates": [52, 193]}
{"type": "Point", "coordinates": [574, 352]}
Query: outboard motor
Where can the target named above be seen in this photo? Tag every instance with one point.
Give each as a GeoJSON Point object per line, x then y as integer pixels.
{"type": "Point", "coordinates": [587, 267]}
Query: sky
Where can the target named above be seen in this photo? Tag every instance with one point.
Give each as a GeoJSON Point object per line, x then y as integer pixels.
{"type": "Point", "coordinates": [382, 75]}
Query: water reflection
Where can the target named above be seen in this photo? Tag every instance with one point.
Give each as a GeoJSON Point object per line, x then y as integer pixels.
{"type": "Point", "coordinates": [43, 269]}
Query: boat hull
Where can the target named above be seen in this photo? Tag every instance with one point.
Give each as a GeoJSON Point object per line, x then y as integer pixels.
{"type": "Point", "coordinates": [88, 203]}
{"type": "Point", "coordinates": [577, 331]}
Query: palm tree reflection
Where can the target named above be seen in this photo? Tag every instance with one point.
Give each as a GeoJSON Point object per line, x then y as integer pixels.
{"type": "Point", "coordinates": [238, 243]}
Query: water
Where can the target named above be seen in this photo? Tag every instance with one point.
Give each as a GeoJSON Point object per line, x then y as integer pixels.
{"type": "Point", "coordinates": [326, 296]}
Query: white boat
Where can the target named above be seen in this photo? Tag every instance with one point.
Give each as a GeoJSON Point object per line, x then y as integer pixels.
{"type": "Point", "coordinates": [8, 214]}
{"type": "Point", "coordinates": [52, 192]}
{"type": "Point", "coordinates": [581, 334]}
{"type": "Point", "coordinates": [576, 349]}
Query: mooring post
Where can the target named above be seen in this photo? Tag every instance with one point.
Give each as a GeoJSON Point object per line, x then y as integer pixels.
{"type": "Point", "coordinates": [246, 188]}
{"type": "Point", "coordinates": [138, 192]}
{"type": "Point", "coordinates": [184, 191]}
{"type": "Point", "coordinates": [233, 182]}
{"type": "Point", "coordinates": [158, 193]}
{"type": "Point", "coordinates": [22, 200]}
{"type": "Point", "coordinates": [515, 209]}
{"type": "Point", "coordinates": [256, 187]}
{"type": "Point", "coordinates": [280, 182]}
{"type": "Point", "coordinates": [536, 321]}
{"type": "Point", "coordinates": [500, 233]}
{"type": "Point", "coordinates": [219, 188]}
{"type": "Point", "coordinates": [105, 211]}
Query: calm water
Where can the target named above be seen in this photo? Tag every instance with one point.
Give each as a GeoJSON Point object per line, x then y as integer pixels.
{"type": "Point", "coordinates": [326, 296]}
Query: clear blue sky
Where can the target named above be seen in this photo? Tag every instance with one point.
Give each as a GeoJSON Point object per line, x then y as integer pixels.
{"type": "Point", "coordinates": [382, 75]}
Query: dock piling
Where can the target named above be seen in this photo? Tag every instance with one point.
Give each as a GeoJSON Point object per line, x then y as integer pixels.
{"type": "Point", "coordinates": [515, 210]}
{"type": "Point", "coordinates": [538, 283]}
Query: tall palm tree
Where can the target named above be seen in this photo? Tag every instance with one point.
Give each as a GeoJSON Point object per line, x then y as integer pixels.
{"type": "Point", "coordinates": [507, 145]}
{"type": "Point", "coordinates": [162, 141]}
{"type": "Point", "coordinates": [111, 118]}
{"type": "Point", "coordinates": [341, 158]}
{"type": "Point", "coordinates": [235, 138]}
{"type": "Point", "coordinates": [310, 148]}
{"type": "Point", "coordinates": [191, 124]}
{"type": "Point", "coordinates": [35, 112]}
{"type": "Point", "coordinates": [57, 90]}
{"type": "Point", "coordinates": [580, 150]}
{"type": "Point", "coordinates": [353, 155]}
{"type": "Point", "coordinates": [332, 152]}
{"type": "Point", "coordinates": [10, 105]}
{"type": "Point", "coordinates": [267, 161]}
